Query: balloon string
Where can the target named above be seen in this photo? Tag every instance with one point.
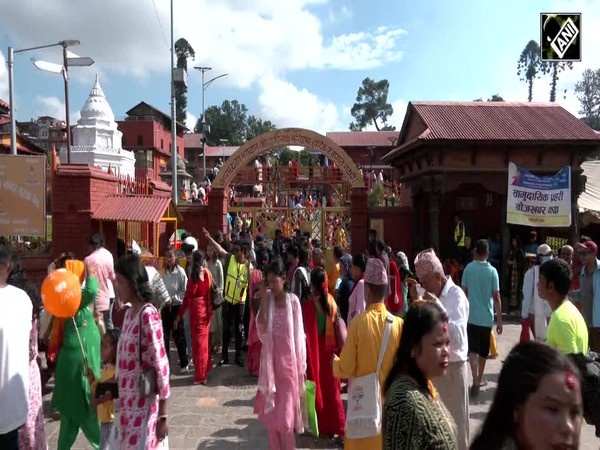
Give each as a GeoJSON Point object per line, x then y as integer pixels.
{"type": "Point", "coordinates": [80, 343]}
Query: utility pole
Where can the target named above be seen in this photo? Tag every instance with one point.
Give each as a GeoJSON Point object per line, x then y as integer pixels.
{"type": "Point", "coordinates": [174, 189]}
{"type": "Point", "coordinates": [11, 94]}
{"type": "Point", "coordinates": [67, 119]}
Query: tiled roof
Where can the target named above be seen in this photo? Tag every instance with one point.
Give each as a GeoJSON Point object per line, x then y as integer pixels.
{"type": "Point", "coordinates": [501, 121]}
{"type": "Point", "coordinates": [364, 138]}
{"type": "Point", "coordinates": [192, 140]}
{"type": "Point", "coordinates": [132, 208]}
{"type": "Point", "coordinates": [216, 151]}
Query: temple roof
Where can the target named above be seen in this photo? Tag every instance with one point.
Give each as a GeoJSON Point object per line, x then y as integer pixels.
{"type": "Point", "coordinates": [96, 106]}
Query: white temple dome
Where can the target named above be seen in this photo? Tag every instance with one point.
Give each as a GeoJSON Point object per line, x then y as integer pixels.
{"type": "Point", "coordinates": [96, 106]}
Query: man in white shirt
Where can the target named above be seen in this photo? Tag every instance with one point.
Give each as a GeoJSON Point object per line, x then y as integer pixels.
{"type": "Point", "coordinates": [454, 387]}
{"type": "Point", "coordinates": [15, 326]}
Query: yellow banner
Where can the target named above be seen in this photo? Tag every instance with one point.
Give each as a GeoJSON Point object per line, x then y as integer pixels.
{"type": "Point", "coordinates": [22, 195]}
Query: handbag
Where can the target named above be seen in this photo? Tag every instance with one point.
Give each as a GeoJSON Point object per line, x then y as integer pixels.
{"type": "Point", "coordinates": [364, 414]}
{"type": "Point", "coordinates": [341, 332]}
{"type": "Point", "coordinates": [147, 378]}
{"type": "Point", "coordinates": [217, 296]}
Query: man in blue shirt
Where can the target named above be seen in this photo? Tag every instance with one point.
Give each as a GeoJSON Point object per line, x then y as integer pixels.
{"type": "Point", "coordinates": [481, 285]}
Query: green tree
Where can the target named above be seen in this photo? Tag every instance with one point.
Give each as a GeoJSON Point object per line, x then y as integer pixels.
{"type": "Point", "coordinates": [256, 126]}
{"type": "Point", "coordinates": [183, 51]}
{"type": "Point", "coordinates": [493, 98]}
{"type": "Point", "coordinates": [227, 121]}
{"type": "Point", "coordinates": [588, 94]}
{"type": "Point", "coordinates": [372, 106]}
{"type": "Point", "coordinates": [530, 65]}
{"type": "Point", "coordinates": [554, 68]}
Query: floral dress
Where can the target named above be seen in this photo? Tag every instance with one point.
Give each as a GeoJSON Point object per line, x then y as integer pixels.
{"type": "Point", "coordinates": [138, 415]}
{"type": "Point", "coordinates": [32, 436]}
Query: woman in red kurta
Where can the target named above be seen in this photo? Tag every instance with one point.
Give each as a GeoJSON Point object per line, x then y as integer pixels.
{"type": "Point", "coordinates": [198, 300]}
{"type": "Point", "coordinates": [331, 419]}
{"type": "Point", "coordinates": [254, 344]}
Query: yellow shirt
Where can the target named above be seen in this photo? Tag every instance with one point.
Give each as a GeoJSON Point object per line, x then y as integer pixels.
{"type": "Point", "coordinates": [333, 276]}
{"type": "Point", "coordinates": [360, 353]}
{"type": "Point", "coordinates": [106, 411]}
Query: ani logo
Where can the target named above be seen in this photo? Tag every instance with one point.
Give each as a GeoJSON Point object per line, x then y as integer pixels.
{"type": "Point", "coordinates": [560, 37]}
{"type": "Point", "coordinates": [357, 396]}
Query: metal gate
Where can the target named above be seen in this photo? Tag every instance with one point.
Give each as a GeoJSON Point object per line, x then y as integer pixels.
{"type": "Point", "coordinates": [331, 225]}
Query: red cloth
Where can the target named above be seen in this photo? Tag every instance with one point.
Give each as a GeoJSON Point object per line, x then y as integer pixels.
{"type": "Point", "coordinates": [395, 290]}
{"type": "Point", "coordinates": [525, 327]}
{"type": "Point", "coordinates": [197, 300]}
{"type": "Point", "coordinates": [331, 419]}
{"type": "Point", "coordinates": [254, 344]}
{"type": "Point", "coordinates": [309, 318]}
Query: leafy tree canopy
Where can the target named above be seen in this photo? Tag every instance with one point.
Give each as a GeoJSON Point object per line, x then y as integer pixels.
{"type": "Point", "coordinates": [372, 106]}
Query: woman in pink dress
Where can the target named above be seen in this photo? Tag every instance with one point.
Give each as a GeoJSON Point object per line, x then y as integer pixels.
{"type": "Point", "coordinates": [282, 361]}
{"type": "Point", "coordinates": [198, 300]}
{"type": "Point", "coordinates": [254, 345]}
{"type": "Point", "coordinates": [143, 420]}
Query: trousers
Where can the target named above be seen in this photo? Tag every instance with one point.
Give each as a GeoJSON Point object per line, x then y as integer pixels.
{"type": "Point", "coordinates": [232, 315]}
{"type": "Point", "coordinates": [168, 316]}
{"type": "Point", "coordinates": [69, 429]}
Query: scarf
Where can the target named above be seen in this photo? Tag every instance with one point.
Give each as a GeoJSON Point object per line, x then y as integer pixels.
{"type": "Point", "coordinates": [266, 376]}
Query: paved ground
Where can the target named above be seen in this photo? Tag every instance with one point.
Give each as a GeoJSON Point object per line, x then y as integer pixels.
{"type": "Point", "coordinates": [219, 415]}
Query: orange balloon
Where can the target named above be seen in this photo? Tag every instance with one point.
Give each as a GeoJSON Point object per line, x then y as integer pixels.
{"type": "Point", "coordinates": [61, 293]}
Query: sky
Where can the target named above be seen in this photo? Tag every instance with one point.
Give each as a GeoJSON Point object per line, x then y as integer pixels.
{"type": "Point", "coordinates": [297, 63]}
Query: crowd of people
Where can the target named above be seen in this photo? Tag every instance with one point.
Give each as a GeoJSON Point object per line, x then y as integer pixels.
{"type": "Point", "coordinates": [408, 342]}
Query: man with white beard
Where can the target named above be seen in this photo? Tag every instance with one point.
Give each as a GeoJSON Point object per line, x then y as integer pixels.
{"type": "Point", "coordinates": [533, 304]}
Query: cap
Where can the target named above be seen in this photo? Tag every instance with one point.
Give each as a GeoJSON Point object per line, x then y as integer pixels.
{"type": "Point", "coordinates": [375, 272]}
{"type": "Point", "coordinates": [427, 262]}
{"type": "Point", "coordinates": [544, 250]}
{"type": "Point", "coordinates": [588, 246]}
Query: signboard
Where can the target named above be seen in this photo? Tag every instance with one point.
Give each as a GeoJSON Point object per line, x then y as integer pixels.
{"type": "Point", "coordinates": [22, 195]}
{"type": "Point", "coordinates": [538, 201]}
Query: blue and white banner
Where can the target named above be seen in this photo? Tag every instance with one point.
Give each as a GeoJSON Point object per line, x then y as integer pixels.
{"type": "Point", "coordinates": [538, 201]}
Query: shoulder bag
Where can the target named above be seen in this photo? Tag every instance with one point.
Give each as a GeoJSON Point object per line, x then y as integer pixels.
{"type": "Point", "coordinates": [147, 378]}
{"type": "Point", "coordinates": [363, 419]}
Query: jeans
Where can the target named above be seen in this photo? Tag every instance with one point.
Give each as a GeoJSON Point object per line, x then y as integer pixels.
{"type": "Point", "coordinates": [107, 315]}
{"type": "Point", "coordinates": [10, 440]}
{"type": "Point", "coordinates": [232, 314]}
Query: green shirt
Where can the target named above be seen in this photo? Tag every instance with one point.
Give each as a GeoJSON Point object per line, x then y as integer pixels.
{"type": "Point", "coordinates": [567, 331]}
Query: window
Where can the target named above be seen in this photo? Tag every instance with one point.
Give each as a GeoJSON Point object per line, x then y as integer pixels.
{"type": "Point", "coordinates": [140, 140]}
{"type": "Point", "coordinates": [162, 144]}
{"type": "Point", "coordinates": [170, 148]}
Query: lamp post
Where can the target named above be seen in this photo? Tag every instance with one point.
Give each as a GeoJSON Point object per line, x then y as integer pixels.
{"type": "Point", "coordinates": [174, 154]}
{"type": "Point", "coordinates": [203, 70]}
{"type": "Point", "coordinates": [11, 85]}
{"type": "Point", "coordinates": [69, 59]}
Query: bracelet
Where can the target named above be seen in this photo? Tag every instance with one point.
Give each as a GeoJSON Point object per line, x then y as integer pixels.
{"type": "Point", "coordinates": [164, 416]}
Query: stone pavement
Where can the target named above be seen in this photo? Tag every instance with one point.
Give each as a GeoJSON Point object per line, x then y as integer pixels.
{"type": "Point", "coordinates": [219, 415]}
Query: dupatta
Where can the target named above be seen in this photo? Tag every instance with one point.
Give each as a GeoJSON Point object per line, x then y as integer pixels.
{"type": "Point", "coordinates": [266, 376]}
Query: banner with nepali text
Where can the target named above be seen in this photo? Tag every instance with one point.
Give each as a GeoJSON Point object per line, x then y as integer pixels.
{"type": "Point", "coordinates": [538, 201]}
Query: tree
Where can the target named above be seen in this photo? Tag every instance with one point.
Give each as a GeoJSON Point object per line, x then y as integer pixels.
{"type": "Point", "coordinates": [183, 51]}
{"type": "Point", "coordinates": [554, 68]}
{"type": "Point", "coordinates": [227, 121]}
{"type": "Point", "coordinates": [494, 98]}
{"type": "Point", "coordinates": [372, 105]}
{"type": "Point", "coordinates": [255, 127]}
{"type": "Point", "coordinates": [588, 94]}
{"type": "Point", "coordinates": [530, 65]}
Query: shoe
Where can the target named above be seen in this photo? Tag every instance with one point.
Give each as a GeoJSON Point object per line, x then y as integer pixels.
{"type": "Point", "coordinates": [223, 362]}
{"type": "Point", "coordinates": [184, 370]}
{"type": "Point", "coordinates": [239, 361]}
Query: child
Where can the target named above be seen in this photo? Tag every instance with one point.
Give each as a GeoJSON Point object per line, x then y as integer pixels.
{"type": "Point", "coordinates": [105, 404]}
{"type": "Point", "coordinates": [282, 360]}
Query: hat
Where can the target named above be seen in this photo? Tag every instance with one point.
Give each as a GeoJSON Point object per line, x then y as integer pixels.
{"type": "Point", "coordinates": [588, 246]}
{"type": "Point", "coordinates": [427, 262]}
{"type": "Point", "coordinates": [402, 257]}
{"type": "Point", "coordinates": [375, 272]}
{"type": "Point", "coordinates": [544, 250]}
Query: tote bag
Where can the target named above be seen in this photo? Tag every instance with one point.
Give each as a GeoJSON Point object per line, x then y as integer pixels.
{"type": "Point", "coordinates": [363, 419]}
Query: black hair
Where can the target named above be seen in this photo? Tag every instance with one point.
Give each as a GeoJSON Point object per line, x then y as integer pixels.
{"type": "Point", "coordinates": [380, 245]}
{"type": "Point", "coordinates": [6, 255]}
{"type": "Point", "coordinates": [278, 231]}
{"type": "Point", "coordinates": [522, 371]}
{"type": "Point", "coordinates": [133, 270]}
{"type": "Point", "coordinates": [420, 320]}
{"type": "Point", "coordinates": [245, 246]}
{"type": "Point", "coordinates": [316, 243]}
{"type": "Point", "coordinates": [218, 235]}
{"type": "Point", "coordinates": [482, 247]}
{"type": "Point", "coordinates": [584, 238]}
{"type": "Point", "coordinates": [317, 279]}
{"type": "Point", "coordinates": [197, 263]}
{"type": "Point", "coordinates": [360, 260]}
{"type": "Point", "coordinates": [373, 232]}
{"type": "Point", "coordinates": [558, 272]}
{"type": "Point", "coordinates": [306, 234]}
{"type": "Point", "coordinates": [293, 251]}
{"type": "Point", "coordinates": [303, 257]}
{"type": "Point", "coordinates": [456, 214]}
{"type": "Point", "coordinates": [113, 334]}
{"type": "Point", "coordinates": [277, 268]}
{"type": "Point", "coordinates": [338, 252]}
{"type": "Point", "coordinates": [18, 278]}
{"type": "Point", "coordinates": [96, 241]}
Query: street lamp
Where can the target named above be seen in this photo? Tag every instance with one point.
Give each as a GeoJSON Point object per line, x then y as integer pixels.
{"type": "Point", "coordinates": [204, 86]}
{"type": "Point", "coordinates": [69, 59]}
{"type": "Point", "coordinates": [11, 86]}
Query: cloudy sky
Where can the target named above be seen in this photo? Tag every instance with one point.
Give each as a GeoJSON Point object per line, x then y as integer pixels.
{"type": "Point", "coordinates": [295, 62]}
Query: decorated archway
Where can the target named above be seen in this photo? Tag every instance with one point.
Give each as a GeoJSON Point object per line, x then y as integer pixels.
{"type": "Point", "coordinates": [282, 138]}
{"type": "Point", "coordinates": [259, 146]}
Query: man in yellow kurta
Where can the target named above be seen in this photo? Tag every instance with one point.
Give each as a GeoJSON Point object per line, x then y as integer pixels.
{"type": "Point", "coordinates": [365, 335]}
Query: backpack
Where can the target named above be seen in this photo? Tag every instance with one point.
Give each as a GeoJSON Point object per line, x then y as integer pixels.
{"type": "Point", "coordinates": [589, 367]}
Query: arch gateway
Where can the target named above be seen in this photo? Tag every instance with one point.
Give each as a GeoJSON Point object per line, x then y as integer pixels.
{"type": "Point", "coordinates": [343, 181]}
